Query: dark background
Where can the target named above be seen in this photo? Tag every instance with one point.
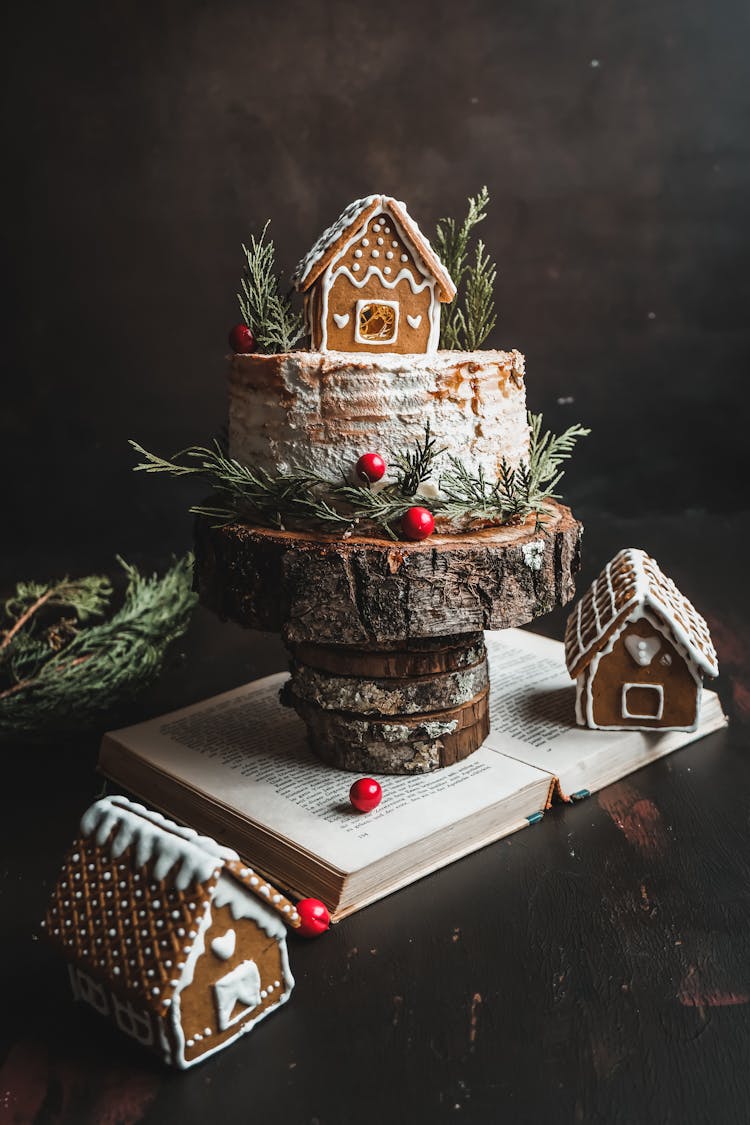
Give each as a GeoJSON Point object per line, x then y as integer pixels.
{"type": "Point", "coordinates": [142, 144]}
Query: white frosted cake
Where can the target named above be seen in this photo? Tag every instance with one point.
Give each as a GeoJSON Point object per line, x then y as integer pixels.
{"type": "Point", "coordinates": [320, 410]}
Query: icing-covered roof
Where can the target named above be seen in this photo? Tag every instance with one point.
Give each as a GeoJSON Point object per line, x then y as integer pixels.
{"type": "Point", "coordinates": [358, 214]}
{"type": "Point", "coordinates": [633, 581]}
{"type": "Point", "coordinates": [135, 891]}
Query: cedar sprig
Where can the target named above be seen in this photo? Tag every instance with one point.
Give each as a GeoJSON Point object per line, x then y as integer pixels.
{"type": "Point", "coordinates": [518, 492]}
{"type": "Point", "coordinates": [299, 498]}
{"type": "Point", "coordinates": [68, 672]}
{"type": "Point", "coordinates": [244, 491]}
{"type": "Point", "coordinates": [415, 465]}
{"type": "Point", "coordinates": [468, 319]}
{"type": "Point", "coordinates": [478, 318]}
{"type": "Point", "coordinates": [547, 452]}
{"type": "Point", "coordinates": [268, 314]}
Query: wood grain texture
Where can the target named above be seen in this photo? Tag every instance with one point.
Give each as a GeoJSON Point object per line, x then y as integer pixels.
{"type": "Point", "coordinates": [413, 656]}
{"type": "Point", "coordinates": [352, 591]}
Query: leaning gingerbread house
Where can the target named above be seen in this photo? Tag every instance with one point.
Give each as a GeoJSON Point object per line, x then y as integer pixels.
{"type": "Point", "coordinates": [168, 933]}
{"type": "Point", "coordinates": [637, 649]}
{"type": "Point", "coordinates": [372, 282]}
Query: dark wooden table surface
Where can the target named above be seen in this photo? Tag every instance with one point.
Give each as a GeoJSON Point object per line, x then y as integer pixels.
{"type": "Point", "coordinates": [595, 968]}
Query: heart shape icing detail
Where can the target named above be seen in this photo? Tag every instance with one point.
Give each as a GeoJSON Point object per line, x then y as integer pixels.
{"type": "Point", "coordinates": [342, 319]}
{"type": "Point", "coordinates": [414, 321]}
{"type": "Point", "coordinates": [224, 946]}
{"type": "Point", "coordinates": [642, 649]}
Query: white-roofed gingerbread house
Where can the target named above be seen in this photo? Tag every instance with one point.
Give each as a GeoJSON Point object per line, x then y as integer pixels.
{"type": "Point", "coordinates": [637, 649]}
{"type": "Point", "coordinates": [372, 282]}
{"type": "Point", "coordinates": [169, 933]}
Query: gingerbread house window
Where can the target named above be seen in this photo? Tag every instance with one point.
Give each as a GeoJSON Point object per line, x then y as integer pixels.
{"type": "Point", "coordinates": [92, 992]}
{"type": "Point", "coordinates": [642, 701]}
{"type": "Point", "coordinates": [376, 322]}
{"type": "Point", "coordinates": [132, 1022]}
{"type": "Point", "coordinates": [238, 989]}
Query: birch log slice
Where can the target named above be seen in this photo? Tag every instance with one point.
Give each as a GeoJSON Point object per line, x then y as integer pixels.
{"type": "Point", "coordinates": [326, 590]}
{"type": "Point", "coordinates": [395, 745]}
{"type": "Point", "coordinates": [393, 696]}
{"type": "Point", "coordinates": [413, 657]}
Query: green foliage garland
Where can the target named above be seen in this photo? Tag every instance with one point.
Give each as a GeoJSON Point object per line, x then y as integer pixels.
{"type": "Point", "coordinates": [470, 317]}
{"type": "Point", "coordinates": [303, 499]}
{"type": "Point", "coordinates": [65, 670]}
{"type": "Point", "coordinates": [277, 327]}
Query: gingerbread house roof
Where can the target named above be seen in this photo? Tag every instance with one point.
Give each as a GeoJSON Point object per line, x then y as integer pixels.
{"type": "Point", "coordinates": [358, 214]}
{"type": "Point", "coordinates": [631, 583]}
{"type": "Point", "coordinates": [135, 893]}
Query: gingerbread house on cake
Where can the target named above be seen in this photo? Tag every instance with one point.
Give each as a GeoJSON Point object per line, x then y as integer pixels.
{"type": "Point", "coordinates": [168, 933]}
{"type": "Point", "coordinates": [372, 282]}
{"type": "Point", "coordinates": [637, 649]}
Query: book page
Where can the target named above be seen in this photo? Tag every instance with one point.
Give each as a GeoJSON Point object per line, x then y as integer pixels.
{"type": "Point", "coordinates": [532, 715]}
{"type": "Point", "coordinates": [250, 754]}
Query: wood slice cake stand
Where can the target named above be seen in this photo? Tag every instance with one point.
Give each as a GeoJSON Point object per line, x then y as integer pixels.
{"type": "Point", "coordinates": [388, 664]}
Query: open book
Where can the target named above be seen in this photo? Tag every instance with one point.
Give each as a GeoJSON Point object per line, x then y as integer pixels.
{"type": "Point", "coordinates": [238, 768]}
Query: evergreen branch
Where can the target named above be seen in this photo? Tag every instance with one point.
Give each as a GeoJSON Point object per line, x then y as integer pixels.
{"type": "Point", "coordinates": [480, 317]}
{"type": "Point", "coordinates": [304, 499]}
{"type": "Point", "coordinates": [83, 672]}
{"type": "Point", "coordinates": [415, 465]}
{"type": "Point", "coordinates": [470, 316]}
{"type": "Point", "coordinates": [268, 314]}
{"type": "Point", "coordinates": [87, 597]}
{"type": "Point", "coordinates": [547, 452]}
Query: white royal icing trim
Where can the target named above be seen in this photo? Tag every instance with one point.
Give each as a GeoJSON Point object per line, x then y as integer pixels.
{"type": "Point", "coordinates": [239, 986]}
{"type": "Point", "coordinates": [414, 321]}
{"type": "Point", "coordinates": [362, 304]}
{"type": "Point", "coordinates": [642, 649]}
{"type": "Point", "coordinates": [342, 319]}
{"type": "Point", "coordinates": [628, 714]}
{"type": "Point", "coordinates": [154, 837]}
{"type": "Point", "coordinates": [330, 235]}
{"type": "Point", "coordinates": [223, 947]}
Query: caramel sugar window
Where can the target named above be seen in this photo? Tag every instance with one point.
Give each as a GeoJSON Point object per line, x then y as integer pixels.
{"type": "Point", "coordinates": [377, 322]}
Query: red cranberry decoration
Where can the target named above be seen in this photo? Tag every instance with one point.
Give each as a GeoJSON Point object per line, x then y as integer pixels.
{"type": "Point", "coordinates": [418, 523]}
{"type": "Point", "coordinates": [371, 467]}
{"type": "Point", "coordinates": [241, 340]}
{"type": "Point", "coordinates": [365, 794]}
{"type": "Point", "coordinates": [315, 917]}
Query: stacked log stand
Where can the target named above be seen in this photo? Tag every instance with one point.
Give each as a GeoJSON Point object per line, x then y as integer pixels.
{"type": "Point", "coordinates": [387, 657]}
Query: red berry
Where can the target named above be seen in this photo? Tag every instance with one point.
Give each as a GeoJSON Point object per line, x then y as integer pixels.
{"type": "Point", "coordinates": [417, 523]}
{"type": "Point", "coordinates": [241, 340]}
{"type": "Point", "coordinates": [315, 917]}
{"type": "Point", "coordinates": [365, 794]}
{"type": "Point", "coordinates": [371, 466]}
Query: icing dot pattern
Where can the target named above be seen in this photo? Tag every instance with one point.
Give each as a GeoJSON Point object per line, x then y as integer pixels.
{"type": "Point", "coordinates": [133, 945]}
{"type": "Point", "coordinates": [122, 939]}
{"type": "Point", "coordinates": [367, 252]}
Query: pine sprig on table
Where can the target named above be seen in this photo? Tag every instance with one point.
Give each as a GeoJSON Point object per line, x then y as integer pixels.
{"type": "Point", "coordinates": [304, 500]}
{"type": "Point", "coordinates": [470, 317]}
{"type": "Point", "coordinates": [268, 314]}
{"type": "Point", "coordinates": [66, 674]}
